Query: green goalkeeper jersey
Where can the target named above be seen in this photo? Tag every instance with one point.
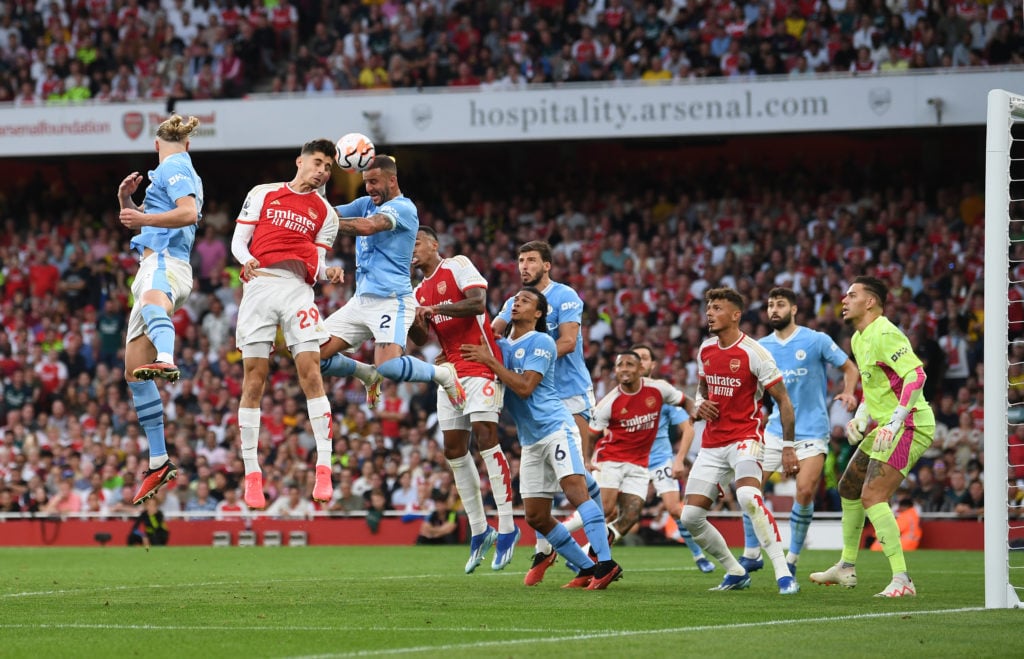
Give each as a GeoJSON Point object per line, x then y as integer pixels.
{"type": "Point", "coordinates": [885, 357]}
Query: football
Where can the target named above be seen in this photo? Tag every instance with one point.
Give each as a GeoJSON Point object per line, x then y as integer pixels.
{"type": "Point", "coordinates": [355, 152]}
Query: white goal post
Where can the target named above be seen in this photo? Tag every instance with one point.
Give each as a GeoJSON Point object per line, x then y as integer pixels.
{"type": "Point", "coordinates": [1004, 185]}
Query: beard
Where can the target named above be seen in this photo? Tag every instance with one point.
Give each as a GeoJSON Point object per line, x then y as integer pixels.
{"type": "Point", "coordinates": [533, 282]}
{"type": "Point", "coordinates": [780, 323]}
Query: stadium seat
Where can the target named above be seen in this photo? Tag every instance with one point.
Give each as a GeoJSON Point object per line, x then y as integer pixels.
{"type": "Point", "coordinates": [246, 538]}
{"type": "Point", "coordinates": [271, 538]}
{"type": "Point", "coordinates": [297, 539]}
{"type": "Point", "coordinates": [222, 538]}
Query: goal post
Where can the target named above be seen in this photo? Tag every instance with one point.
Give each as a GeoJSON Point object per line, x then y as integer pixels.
{"type": "Point", "coordinates": [1004, 185]}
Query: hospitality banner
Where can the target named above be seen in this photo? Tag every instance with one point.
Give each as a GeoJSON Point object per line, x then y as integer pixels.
{"type": "Point", "coordinates": [445, 116]}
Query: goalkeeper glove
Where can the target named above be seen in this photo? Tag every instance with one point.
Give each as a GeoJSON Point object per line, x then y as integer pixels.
{"type": "Point", "coordinates": [887, 433]}
{"type": "Point", "coordinates": [857, 425]}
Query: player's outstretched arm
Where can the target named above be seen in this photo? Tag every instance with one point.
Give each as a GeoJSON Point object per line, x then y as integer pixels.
{"type": "Point", "coordinates": [365, 226]}
{"type": "Point", "coordinates": [522, 384]}
{"type": "Point", "coordinates": [185, 213]}
{"type": "Point", "coordinates": [474, 304]}
{"type": "Point", "coordinates": [127, 188]}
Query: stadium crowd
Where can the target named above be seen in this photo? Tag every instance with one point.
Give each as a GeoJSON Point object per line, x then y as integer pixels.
{"type": "Point", "coordinates": [641, 259]}
{"type": "Point", "coordinates": [56, 51]}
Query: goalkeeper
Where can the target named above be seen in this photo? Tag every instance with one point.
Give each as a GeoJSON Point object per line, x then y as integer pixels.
{"type": "Point", "coordinates": [892, 378]}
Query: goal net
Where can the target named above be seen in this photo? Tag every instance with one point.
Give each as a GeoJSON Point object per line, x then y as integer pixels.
{"type": "Point", "coordinates": [1004, 351]}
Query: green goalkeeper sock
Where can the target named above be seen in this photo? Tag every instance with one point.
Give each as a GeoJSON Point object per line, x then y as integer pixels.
{"type": "Point", "coordinates": [853, 528]}
{"type": "Point", "coordinates": [888, 532]}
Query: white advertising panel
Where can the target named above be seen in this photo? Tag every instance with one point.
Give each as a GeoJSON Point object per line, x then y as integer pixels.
{"type": "Point", "coordinates": [404, 117]}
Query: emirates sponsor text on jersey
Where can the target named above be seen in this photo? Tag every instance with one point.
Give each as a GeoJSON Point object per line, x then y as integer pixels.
{"type": "Point", "coordinates": [721, 385]}
{"type": "Point", "coordinates": [641, 421]}
{"type": "Point", "coordinates": [289, 219]}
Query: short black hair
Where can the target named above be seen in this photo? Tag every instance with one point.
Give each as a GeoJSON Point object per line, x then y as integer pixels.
{"type": "Point", "coordinates": [628, 353]}
{"type": "Point", "coordinates": [430, 232]}
{"type": "Point", "coordinates": [875, 286]}
{"type": "Point", "coordinates": [539, 246]}
{"type": "Point", "coordinates": [320, 145]}
{"type": "Point", "coordinates": [783, 292]}
{"type": "Point", "coordinates": [727, 294]}
{"type": "Point", "coordinates": [384, 163]}
{"type": "Point", "coordinates": [542, 307]}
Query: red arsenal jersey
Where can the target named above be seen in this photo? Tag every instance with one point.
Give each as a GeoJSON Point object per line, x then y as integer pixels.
{"type": "Point", "coordinates": [631, 421]}
{"type": "Point", "coordinates": [736, 377]}
{"type": "Point", "coordinates": [289, 226]}
{"type": "Point", "coordinates": [448, 285]}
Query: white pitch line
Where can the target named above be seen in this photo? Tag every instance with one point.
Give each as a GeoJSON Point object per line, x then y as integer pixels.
{"type": "Point", "coordinates": [264, 628]}
{"type": "Point", "coordinates": [206, 584]}
{"type": "Point", "coordinates": [565, 634]}
{"type": "Point", "coordinates": [622, 633]}
{"type": "Point", "coordinates": [153, 586]}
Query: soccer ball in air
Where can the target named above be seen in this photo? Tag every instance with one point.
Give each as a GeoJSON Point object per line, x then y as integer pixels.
{"type": "Point", "coordinates": [355, 152]}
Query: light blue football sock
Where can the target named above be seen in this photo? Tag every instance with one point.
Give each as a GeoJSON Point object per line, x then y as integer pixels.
{"type": "Point", "coordinates": [593, 489]}
{"type": "Point", "coordinates": [799, 522]}
{"type": "Point", "coordinates": [149, 408]}
{"type": "Point", "coordinates": [338, 365]}
{"type": "Point", "coordinates": [161, 329]}
{"type": "Point", "coordinates": [567, 547]}
{"type": "Point", "coordinates": [596, 529]}
{"type": "Point", "coordinates": [407, 369]}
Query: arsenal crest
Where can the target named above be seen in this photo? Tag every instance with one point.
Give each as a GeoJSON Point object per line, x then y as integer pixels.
{"type": "Point", "coordinates": [312, 214]}
{"type": "Point", "coordinates": [734, 365]}
{"type": "Point", "coordinates": [651, 401]}
{"type": "Point", "coordinates": [442, 287]}
{"type": "Point", "coordinates": [133, 122]}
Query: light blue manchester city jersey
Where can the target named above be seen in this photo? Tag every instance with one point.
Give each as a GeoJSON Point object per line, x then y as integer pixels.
{"type": "Point", "coordinates": [564, 306]}
{"type": "Point", "coordinates": [172, 179]}
{"type": "Point", "coordinates": [384, 260]}
{"type": "Point", "coordinates": [803, 359]}
{"type": "Point", "coordinates": [542, 412]}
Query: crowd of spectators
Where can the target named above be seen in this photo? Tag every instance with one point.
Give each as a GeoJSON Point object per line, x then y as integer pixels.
{"type": "Point", "coordinates": [640, 257]}
{"type": "Point", "coordinates": [125, 50]}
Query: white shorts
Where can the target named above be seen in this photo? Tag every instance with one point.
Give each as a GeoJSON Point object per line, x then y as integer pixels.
{"type": "Point", "coordinates": [625, 477]}
{"type": "Point", "coordinates": [269, 302]}
{"type": "Point", "coordinates": [484, 398]}
{"type": "Point", "coordinates": [161, 273]}
{"type": "Point", "coordinates": [661, 477]}
{"type": "Point", "coordinates": [724, 464]}
{"type": "Point", "coordinates": [581, 404]}
{"type": "Point", "coordinates": [384, 319]}
{"type": "Point", "coordinates": [805, 448]}
{"type": "Point", "coordinates": [543, 465]}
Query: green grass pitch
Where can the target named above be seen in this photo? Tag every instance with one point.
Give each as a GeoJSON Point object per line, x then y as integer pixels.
{"type": "Point", "coordinates": [416, 601]}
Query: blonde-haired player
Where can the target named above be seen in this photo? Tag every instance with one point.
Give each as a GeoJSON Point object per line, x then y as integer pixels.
{"type": "Point", "coordinates": [167, 221]}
